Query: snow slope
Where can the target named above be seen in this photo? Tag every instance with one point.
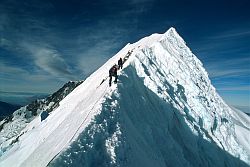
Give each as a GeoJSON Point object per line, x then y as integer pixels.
{"type": "Point", "coordinates": [12, 126]}
{"type": "Point", "coordinates": [163, 112]}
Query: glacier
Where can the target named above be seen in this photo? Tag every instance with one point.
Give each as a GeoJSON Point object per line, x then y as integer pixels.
{"type": "Point", "coordinates": [163, 111]}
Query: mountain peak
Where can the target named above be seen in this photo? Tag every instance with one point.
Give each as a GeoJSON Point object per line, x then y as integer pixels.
{"type": "Point", "coordinates": [170, 36]}
{"type": "Point", "coordinates": [163, 111]}
{"type": "Point", "coordinates": [171, 30]}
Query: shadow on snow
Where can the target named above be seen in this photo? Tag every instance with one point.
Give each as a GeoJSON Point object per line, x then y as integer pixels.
{"type": "Point", "coordinates": [153, 133]}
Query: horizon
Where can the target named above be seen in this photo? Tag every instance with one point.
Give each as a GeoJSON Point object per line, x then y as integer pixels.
{"type": "Point", "coordinates": [44, 44]}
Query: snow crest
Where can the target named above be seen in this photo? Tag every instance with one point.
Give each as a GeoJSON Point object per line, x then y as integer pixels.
{"type": "Point", "coordinates": [170, 64]}
{"type": "Point", "coordinates": [163, 111]}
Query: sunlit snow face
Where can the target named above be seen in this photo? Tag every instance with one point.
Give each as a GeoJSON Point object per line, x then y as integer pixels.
{"type": "Point", "coordinates": [44, 44]}
{"type": "Point", "coordinates": [138, 120]}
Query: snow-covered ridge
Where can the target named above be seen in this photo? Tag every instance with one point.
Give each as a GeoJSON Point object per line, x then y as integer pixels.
{"type": "Point", "coordinates": [12, 126]}
{"type": "Point", "coordinates": [171, 61]}
{"type": "Point", "coordinates": [163, 112]}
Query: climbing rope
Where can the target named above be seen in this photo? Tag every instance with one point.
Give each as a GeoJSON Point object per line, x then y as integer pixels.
{"type": "Point", "coordinates": [80, 124]}
{"type": "Point", "coordinates": [126, 57]}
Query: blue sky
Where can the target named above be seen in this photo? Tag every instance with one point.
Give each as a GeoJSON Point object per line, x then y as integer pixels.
{"type": "Point", "coordinates": [43, 44]}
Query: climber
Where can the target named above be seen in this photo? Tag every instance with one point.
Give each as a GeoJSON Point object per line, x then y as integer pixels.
{"type": "Point", "coordinates": [120, 63]}
{"type": "Point", "coordinates": [113, 72]}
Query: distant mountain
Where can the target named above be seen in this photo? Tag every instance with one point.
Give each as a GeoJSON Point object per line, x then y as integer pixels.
{"type": "Point", "coordinates": [12, 125]}
{"type": "Point", "coordinates": [7, 109]}
{"type": "Point", "coordinates": [21, 98]}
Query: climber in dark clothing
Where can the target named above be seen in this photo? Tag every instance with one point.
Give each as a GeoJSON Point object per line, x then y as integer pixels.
{"type": "Point", "coordinates": [113, 72]}
{"type": "Point", "coordinates": [120, 63]}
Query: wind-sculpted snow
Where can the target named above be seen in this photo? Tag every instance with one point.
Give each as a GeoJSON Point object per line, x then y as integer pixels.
{"type": "Point", "coordinates": [168, 114]}
{"type": "Point", "coordinates": [151, 132]}
{"type": "Point", "coordinates": [163, 112]}
{"type": "Point", "coordinates": [170, 61]}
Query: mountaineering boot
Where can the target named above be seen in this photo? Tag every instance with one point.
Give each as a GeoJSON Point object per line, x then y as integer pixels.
{"type": "Point", "coordinates": [116, 77]}
{"type": "Point", "coordinates": [110, 80]}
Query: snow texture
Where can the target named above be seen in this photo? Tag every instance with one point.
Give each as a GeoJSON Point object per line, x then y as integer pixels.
{"type": "Point", "coordinates": [12, 127]}
{"type": "Point", "coordinates": [164, 111]}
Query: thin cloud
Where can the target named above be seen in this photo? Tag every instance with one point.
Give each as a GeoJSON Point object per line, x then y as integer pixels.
{"type": "Point", "coordinates": [87, 47]}
{"type": "Point", "coordinates": [17, 73]}
{"type": "Point", "coordinates": [234, 88]}
{"type": "Point", "coordinates": [230, 63]}
{"type": "Point", "coordinates": [20, 93]}
{"type": "Point", "coordinates": [96, 55]}
{"type": "Point", "coordinates": [216, 73]}
{"type": "Point", "coordinates": [229, 68]}
{"type": "Point", "coordinates": [7, 69]}
{"type": "Point", "coordinates": [7, 44]}
{"type": "Point", "coordinates": [223, 42]}
{"type": "Point", "coordinates": [50, 60]}
{"type": "Point", "coordinates": [103, 40]}
{"type": "Point", "coordinates": [17, 78]}
{"type": "Point", "coordinates": [231, 34]}
{"type": "Point", "coordinates": [86, 43]}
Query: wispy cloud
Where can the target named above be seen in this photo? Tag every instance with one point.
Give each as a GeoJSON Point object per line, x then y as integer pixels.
{"type": "Point", "coordinates": [224, 60]}
{"type": "Point", "coordinates": [49, 60]}
{"type": "Point", "coordinates": [7, 69]}
{"type": "Point", "coordinates": [223, 43]}
{"type": "Point", "coordinates": [21, 98]}
{"type": "Point", "coordinates": [95, 56]}
{"type": "Point", "coordinates": [231, 34]}
{"type": "Point", "coordinates": [229, 68]}
{"type": "Point", "coordinates": [235, 88]}
{"type": "Point", "coordinates": [5, 43]}
{"type": "Point", "coordinates": [18, 79]}
{"type": "Point", "coordinates": [231, 77]}
{"type": "Point", "coordinates": [44, 51]}
{"type": "Point", "coordinates": [216, 73]}
{"type": "Point", "coordinates": [31, 40]}
{"type": "Point", "coordinates": [98, 43]}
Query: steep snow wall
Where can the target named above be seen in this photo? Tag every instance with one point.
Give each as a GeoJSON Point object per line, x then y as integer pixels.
{"type": "Point", "coordinates": [40, 142]}
{"type": "Point", "coordinates": [163, 112]}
